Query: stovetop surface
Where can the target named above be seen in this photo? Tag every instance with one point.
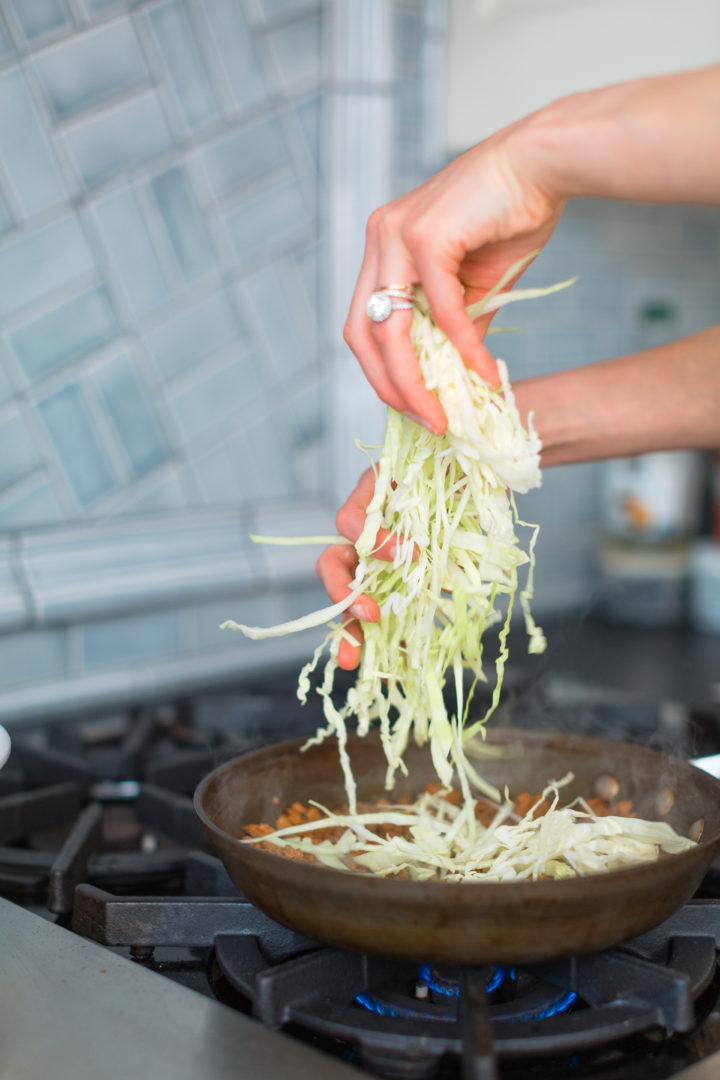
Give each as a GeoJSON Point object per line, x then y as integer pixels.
{"type": "Point", "coordinates": [97, 833]}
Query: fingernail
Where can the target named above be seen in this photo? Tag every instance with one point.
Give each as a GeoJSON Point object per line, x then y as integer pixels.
{"type": "Point", "coordinates": [422, 422]}
{"type": "Point", "coordinates": [359, 611]}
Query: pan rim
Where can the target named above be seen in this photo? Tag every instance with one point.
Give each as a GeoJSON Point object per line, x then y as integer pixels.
{"type": "Point", "coordinates": [403, 886]}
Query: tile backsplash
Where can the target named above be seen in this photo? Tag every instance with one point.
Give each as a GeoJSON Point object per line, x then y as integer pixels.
{"type": "Point", "coordinates": [163, 370]}
{"type": "Point", "coordinates": [161, 213]}
{"type": "Point", "coordinates": [171, 227]}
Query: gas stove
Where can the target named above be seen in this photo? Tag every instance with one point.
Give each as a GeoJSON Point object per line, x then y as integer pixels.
{"type": "Point", "coordinates": [98, 837]}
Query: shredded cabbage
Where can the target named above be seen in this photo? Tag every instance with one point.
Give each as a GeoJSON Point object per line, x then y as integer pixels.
{"type": "Point", "coordinates": [445, 841]}
{"type": "Point", "coordinates": [455, 571]}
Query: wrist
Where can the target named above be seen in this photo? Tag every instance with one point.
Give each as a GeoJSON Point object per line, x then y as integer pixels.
{"type": "Point", "coordinates": [544, 143]}
{"type": "Point", "coordinates": [565, 147]}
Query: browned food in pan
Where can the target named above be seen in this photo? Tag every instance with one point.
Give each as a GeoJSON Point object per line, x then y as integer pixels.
{"type": "Point", "coordinates": [299, 813]}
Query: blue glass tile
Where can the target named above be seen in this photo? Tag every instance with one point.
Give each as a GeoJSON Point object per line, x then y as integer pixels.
{"type": "Point", "coordinates": [296, 50]}
{"type": "Point", "coordinates": [248, 153]}
{"type": "Point", "coordinates": [32, 655]}
{"type": "Point", "coordinates": [18, 455]}
{"type": "Point", "coordinates": [184, 62]}
{"type": "Point", "coordinates": [5, 219]}
{"type": "Point", "coordinates": [40, 261]}
{"type": "Point", "coordinates": [65, 334]}
{"type": "Point", "coordinates": [286, 328]}
{"type": "Point", "coordinates": [700, 233]}
{"type": "Point", "coordinates": [409, 33]}
{"type": "Point", "coordinates": [271, 446]}
{"type": "Point", "coordinates": [306, 261]}
{"type": "Point", "coordinates": [193, 335]}
{"type": "Point", "coordinates": [131, 639]}
{"type": "Point", "coordinates": [27, 158]}
{"type": "Point", "coordinates": [6, 45]}
{"type": "Point", "coordinates": [6, 390]}
{"type": "Point", "coordinates": [184, 223]}
{"type": "Point", "coordinates": [223, 476]}
{"type": "Point", "coordinates": [88, 69]}
{"type": "Point", "coordinates": [409, 108]}
{"type": "Point", "coordinates": [118, 138]}
{"type": "Point", "coordinates": [207, 402]}
{"type": "Point", "coordinates": [124, 233]}
{"type": "Point", "coordinates": [38, 17]}
{"type": "Point", "coordinates": [121, 565]}
{"type": "Point", "coordinates": [296, 602]}
{"type": "Point", "coordinates": [233, 40]}
{"type": "Point", "coordinates": [77, 443]}
{"type": "Point", "coordinates": [270, 9]}
{"type": "Point", "coordinates": [95, 7]}
{"type": "Point", "coordinates": [166, 494]}
{"type": "Point", "coordinates": [12, 605]}
{"type": "Point", "coordinates": [131, 412]}
{"type": "Point", "coordinates": [38, 506]}
{"type": "Point", "coordinates": [276, 215]}
{"type": "Point", "coordinates": [288, 447]}
{"type": "Point", "coordinates": [309, 115]}
{"type": "Point", "coordinates": [209, 616]}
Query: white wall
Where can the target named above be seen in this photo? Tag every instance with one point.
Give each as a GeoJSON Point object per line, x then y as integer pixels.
{"type": "Point", "coordinates": [509, 57]}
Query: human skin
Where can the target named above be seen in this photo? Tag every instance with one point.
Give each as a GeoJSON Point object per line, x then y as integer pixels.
{"type": "Point", "coordinates": [666, 398]}
{"type": "Point", "coordinates": [651, 140]}
{"type": "Point", "coordinates": [654, 140]}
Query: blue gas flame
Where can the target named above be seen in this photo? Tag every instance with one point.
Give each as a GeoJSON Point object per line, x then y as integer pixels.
{"type": "Point", "coordinates": [554, 1008]}
{"type": "Point", "coordinates": [383, 1008]}
{"type": "Point", "coordinates": [449, 988]}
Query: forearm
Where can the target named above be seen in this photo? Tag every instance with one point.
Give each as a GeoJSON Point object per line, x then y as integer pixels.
{"type": "Point", "coordinates": [652, 140]}
{"type": "Point", "coordinates": [663, 399]}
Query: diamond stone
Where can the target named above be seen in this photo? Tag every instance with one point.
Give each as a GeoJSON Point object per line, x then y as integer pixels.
{"type": "Point", "coordinates": [379, 307]}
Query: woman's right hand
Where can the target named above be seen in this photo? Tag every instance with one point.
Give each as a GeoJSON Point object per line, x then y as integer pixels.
{"type": "Point", "coordinates": [456, 234]}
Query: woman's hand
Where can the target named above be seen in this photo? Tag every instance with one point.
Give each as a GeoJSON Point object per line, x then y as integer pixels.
{"type": "Point", "coordinates": [337, 564]}
{"type": "Point", "coordinates": [457, 235]}
{"type": "Point", "coordinates": [501, 200]}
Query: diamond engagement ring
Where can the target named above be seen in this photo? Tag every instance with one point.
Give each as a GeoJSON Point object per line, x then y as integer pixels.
{"type": "Point", "coordinates": [389, 298]}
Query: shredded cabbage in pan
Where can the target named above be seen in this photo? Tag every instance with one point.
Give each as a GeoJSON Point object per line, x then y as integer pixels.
{"type": "Point", "coordinates": [455, 574]}
{"type": "Point", "coordinates": [455, 571]}
{"type": "Point", "coordinates": [446, 842]}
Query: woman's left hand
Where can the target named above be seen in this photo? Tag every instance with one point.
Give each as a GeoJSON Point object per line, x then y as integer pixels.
{"type": "Point", "coordinates": [337, 565]}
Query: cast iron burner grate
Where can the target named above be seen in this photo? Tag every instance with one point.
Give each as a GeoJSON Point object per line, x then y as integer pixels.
{"type": "Point", "coordinates": [105, 804]}
{"type": "Point", "coordinates": [108, 800]}
{"type": "Point", "coordinates": [565, 1006]}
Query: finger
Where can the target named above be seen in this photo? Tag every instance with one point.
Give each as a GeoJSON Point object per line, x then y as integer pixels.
{"type": "Point", "coordinates": [349, 655]}
{"type": "Point", "coordinates": [350, 519]}
{"type": "Point", "coordinates": [336, 570]}
{"type": "Point", "coordinates": [447, 303]}
{"type": "Point", "coordinates": [358, 330]}
{"type": "Point", "coordinates": [403, 367]}
{"type": "Point", "coordinates": [483, 362]}
{"type": "Point", "coordinates": [359, 337]}
{"type": "Point", "coordinates": [395, 267]}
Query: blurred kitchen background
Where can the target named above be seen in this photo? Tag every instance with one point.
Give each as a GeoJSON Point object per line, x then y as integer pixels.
{"type": "Point", "coordinates": [183, 191]}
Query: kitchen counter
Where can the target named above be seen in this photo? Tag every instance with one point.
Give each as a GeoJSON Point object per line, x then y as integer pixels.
{"type": "Point", "coordinates": [653, 664]}
{"type": "Point", "coordinates": [70, 1008]}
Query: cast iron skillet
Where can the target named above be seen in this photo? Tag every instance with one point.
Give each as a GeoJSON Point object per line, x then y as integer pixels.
{"type": "Point", "coordinates": [471, 922]}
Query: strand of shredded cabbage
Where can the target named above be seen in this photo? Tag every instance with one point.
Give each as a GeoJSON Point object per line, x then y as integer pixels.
{"type": "Point", "coordinates": [446, 842]}
{"type": "Point", "coordinates": [455, 571]}
{"type": "Point", "coordinates": [454, 575]}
